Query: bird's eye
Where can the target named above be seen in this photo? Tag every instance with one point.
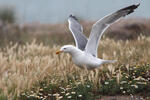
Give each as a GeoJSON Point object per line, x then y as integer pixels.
{"type": "Point", "coordinates": [64, 48]}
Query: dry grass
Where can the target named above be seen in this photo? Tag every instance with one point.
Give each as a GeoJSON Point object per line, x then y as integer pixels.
{"type": "Point", "coordinates": [23, 66]}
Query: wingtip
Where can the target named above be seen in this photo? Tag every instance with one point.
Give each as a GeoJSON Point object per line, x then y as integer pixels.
{"type": "Point", "coordinates": [72, 16]}
{"type": "Point", "coordinates": [138, 4]}
{"type": "Point", "coordinates": [131, 8]}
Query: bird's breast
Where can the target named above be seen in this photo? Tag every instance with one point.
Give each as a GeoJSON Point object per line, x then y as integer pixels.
{"type": "Point", "coordinates": [78, 59]}
{"type": "Point", "coordinates": [85, 60]}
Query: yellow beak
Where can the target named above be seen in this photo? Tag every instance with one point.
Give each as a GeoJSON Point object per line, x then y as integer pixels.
{"type": "Point", "coordinates": [58, 52]}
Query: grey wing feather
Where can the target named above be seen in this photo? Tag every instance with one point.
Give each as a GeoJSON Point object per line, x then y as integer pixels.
{"type": "Point", "coordinates": [77, 32]}
{"type": "Point", "coordinates": [101, 25]}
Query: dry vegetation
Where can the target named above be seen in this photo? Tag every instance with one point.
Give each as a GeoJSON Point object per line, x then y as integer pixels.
{"type": "Point", "coordinates": [31, 70]}
{"type": "Point", "coordinates": [24, 66]}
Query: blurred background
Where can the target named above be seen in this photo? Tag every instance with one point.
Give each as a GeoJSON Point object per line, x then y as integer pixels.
{"type": "Point", "coordinates": [24, 20]}
{"type": "Point", "coordinates": [55, 11]}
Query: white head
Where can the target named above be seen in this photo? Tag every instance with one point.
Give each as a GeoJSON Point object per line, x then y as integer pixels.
{"type": "Point", "coordinates": [66, 49]}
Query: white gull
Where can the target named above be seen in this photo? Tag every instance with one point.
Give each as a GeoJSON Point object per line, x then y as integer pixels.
{"type": "Point", "coordinates": [85, 52]}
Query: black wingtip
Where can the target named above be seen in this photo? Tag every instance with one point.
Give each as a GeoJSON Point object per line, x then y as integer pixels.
{"type": "Point", "coordinates": [130, 8]}
{"type": "Point", "coordinates": [73, 17]}
{"type": "Point", "coordinates": [138, 4]}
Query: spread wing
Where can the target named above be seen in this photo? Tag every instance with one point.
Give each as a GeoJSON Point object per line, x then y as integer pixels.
{"type": "Point", "coordinates": [101, 25]}
{"type": "Point", "coordinates": [77, 32]}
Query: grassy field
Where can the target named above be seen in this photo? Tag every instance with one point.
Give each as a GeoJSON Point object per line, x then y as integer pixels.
{"type": "Point", "coordinates": [30, 69]}
{"type": "Point", "coordinates": [33, 71]}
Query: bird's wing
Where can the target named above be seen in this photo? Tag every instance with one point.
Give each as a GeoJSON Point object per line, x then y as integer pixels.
{"type": "Point", "coordinates": [101, 25]}
{"type": "Point", "coordinates": [77, 32]}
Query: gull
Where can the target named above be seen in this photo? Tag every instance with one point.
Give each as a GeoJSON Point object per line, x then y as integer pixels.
{"type": "Point", "coordinates": [85, 52]}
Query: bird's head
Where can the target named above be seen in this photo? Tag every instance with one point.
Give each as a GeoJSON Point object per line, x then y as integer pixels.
{"type": "Point", "coordinates": [66, 49]}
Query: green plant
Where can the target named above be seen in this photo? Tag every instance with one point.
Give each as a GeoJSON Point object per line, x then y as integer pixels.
{"type": "Point", "coordinates": [7, 14]}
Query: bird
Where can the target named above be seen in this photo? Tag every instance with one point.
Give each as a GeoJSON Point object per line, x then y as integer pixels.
{"type": "Point", "coordinates": [84, 54]}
